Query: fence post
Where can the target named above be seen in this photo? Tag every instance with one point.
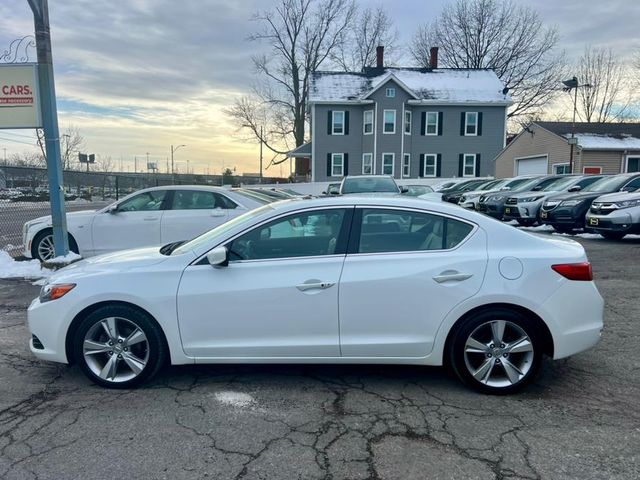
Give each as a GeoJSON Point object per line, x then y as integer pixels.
{"type": "Point", "coordinates": [117, 188]}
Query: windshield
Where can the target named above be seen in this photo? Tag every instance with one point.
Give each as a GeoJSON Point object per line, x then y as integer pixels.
{"type": "Point", "coordinates": [609, 184]}
{"type": "Point", "coordinates": [528, 185]}
{"type": "Point", "coordinates": [560, 184]}
{"type": "Point", "coordinates": [368, 184]}
{"type": "Point", "coordinates": [517, 181]}
{"type": "Point", "coordinates": [490, 185]}
{"type": "Point", "coordinates": [207, 237]}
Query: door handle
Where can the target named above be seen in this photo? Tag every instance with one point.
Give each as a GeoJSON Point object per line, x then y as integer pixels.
{"type": "Point", "coordinates": [218, 214]}
{"type": "Point", "coordinates": [452, 276]}
{"type": "Point", "coordinates": [313, 285]}
{"type": "Point", "coordinates": [150, 219]}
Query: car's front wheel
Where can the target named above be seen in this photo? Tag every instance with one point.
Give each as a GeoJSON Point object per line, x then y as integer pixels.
{"type": "Point", "coordinates": [118, 346]}
{"type": "Point", "coordinates": [496, 352]}
{"type": "Point", "coordinates": [613, 235]}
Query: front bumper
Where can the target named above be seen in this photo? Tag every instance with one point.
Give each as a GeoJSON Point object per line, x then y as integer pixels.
{"type": "Point", "coordinates": [527, 211]}
{"type": "Point", "coordinates": [493, 209]}
{"type": "Point", "coordinates": [618, 221]}
{"type": "Point", "coordinates": [563, 216]}
{"type": "Point", "coordinates": [47, 321]}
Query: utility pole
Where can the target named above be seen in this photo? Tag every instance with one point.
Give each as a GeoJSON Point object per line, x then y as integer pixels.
{"type": "Point", "coordinates": [40, 9]}
{"type": "Point", "coordinates": [573, 84]}
{"type": "Point", "coordinates": [174, 150]}
{"type": "Point", "coordinates": [261, 153]}
{"type": "Point", "coordinates": [135, 164]}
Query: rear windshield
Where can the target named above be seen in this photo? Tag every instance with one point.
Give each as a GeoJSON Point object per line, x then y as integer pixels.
{"type": "Point", "coordinates": [608, 184]}
{"type": "Point", "coordinates": [368, 184]}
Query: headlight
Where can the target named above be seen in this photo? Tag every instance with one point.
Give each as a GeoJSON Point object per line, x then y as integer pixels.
{"type": "Point", "coordinates": [571, 203]}
{"type": "Point", "coordinates": [530, 199]}
{"type": "Point", "coordinates": [54, 291]}
{"type": "Point", "coordinates": [628, 203]}
{"type": "Point", "coordinates": [497, 198]}
{"type": "Point", "coordinates": [471, 196]}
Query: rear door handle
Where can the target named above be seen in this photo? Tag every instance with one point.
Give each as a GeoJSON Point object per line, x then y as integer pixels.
{"type": "Point", "coordinates": [452, 276]}
{"type": "Point", "coordinates": [313, 285]}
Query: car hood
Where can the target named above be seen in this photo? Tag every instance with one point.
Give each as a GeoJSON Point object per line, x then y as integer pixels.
{"type": "Point", "coordinates": [619, 196]}
{"type": "Point", "coordinates": [577, 196]}
{"type": "Point", "coordinates": [71, 217]}
{"type": "Point", "coordinates": [476, 193]}
{"type": "Point", "coordinates": [530, 193]}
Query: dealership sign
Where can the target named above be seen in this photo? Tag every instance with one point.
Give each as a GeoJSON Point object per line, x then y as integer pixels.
{"type": "Point", "coordinates": [19, 100]}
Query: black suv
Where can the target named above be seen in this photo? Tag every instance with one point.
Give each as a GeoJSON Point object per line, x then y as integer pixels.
{"type": "Point", "coordinates": [566, 212]}
{"type": "Point", "coordinates": [454, 193]}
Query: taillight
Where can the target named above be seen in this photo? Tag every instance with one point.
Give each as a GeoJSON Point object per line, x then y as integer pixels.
{"type": "Point", "coordinates": [575, 271]}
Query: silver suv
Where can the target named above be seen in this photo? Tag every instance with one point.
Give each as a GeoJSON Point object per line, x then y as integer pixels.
{"type": "Point", "coordinates": [615, 215]}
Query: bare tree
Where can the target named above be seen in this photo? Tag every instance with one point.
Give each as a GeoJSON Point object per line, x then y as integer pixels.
{"type": "Point", "coordinates": [500, 35]}
{"type": "Point", "coordinates": [370, 27]}
{"type": "Point", "coordinates": [71, 143]}
{"type": "Point", "coordinates": [104, 163]}
{"type": "Point", "coordinates": [608, 97]}
{"type": "Point", "coordinates": [300, 36]}
{"type": "Point", "coordinates": [26, 159]}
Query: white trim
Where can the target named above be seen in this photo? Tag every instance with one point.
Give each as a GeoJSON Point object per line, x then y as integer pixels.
{"type": "Point", "coordinates": [384, 122]}
{"type": "Point", "coordinates": [402, 139]}
{"type": "Point", "coordinates": [404, 120]}
{"type": "Point", "coordinates": [467, 124]}
{"type": "Point", "coordinates": [592, 166]}
{"type": "Point", "coordinates": [553, 167]}
{"type": "Point", "coordinates": [333, 122]}
{"type": "Point", "coordinates": [364, 115]}
{"type": "Point", "coordinates": [389, 90]}
{"type": "Point", "coordinates": [393, 163]}
{"type": "Point", "coordinates": [341, 102]}
{"type": "Point", "coordinates": [375, 137]}
{"type": "Point", "coordinates": [384, 81]}
{"type": "Point", "coordinates": [313, 145]}
{"type": "Point", "coordinates": [435, 165]}
{"type": "Point", "coordinates": [626, 161]}
{"type": "Point", "coordinates": [333, 156]}
{"type": "Point", "coordinates": [426, 124]}
{"type": "Point", "coordinates": [371, 157]}
{"type": "Point", "coordinates": [515, 160]}
{"type": "Point", "coordinates": [405, 157]}
{"type": "Point", "coordinates": [464, 164]}
{"type": "Point", "coordinates": [468, 103]}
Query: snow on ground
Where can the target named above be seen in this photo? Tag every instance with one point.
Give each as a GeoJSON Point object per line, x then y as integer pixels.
{"type": "Point", "coordinates": [539, 228]}
{"type": "Point", "coordinates": [64, 260]}
{"type": "Point", "coordinates": [10, 268]}
{"type": "Point", "coordinates": [235, 399]}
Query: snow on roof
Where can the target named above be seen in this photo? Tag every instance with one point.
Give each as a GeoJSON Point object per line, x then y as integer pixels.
{"type": "Point", "coordinates": [589, 141]}
{"type": "Point", "coordinates": [441, 85]}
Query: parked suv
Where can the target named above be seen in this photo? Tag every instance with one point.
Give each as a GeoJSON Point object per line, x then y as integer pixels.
{"type": "Point", "coordinates": [566, 212]}
{"type": "Point", "coordinates": [524, 207]}
{"type": "Point", "coordinates": [470, 199]}
{"type": "Point", "coordinates": [615, 215]}
{"type": "Point", "coordinates": [453, 193]}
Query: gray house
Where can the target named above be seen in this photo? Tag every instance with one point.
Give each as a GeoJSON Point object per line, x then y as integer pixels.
{"type": "Point", "coordinates": [406, 122]}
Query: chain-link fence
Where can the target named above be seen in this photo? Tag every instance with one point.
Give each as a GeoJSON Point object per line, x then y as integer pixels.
{"type": "Point", "coordinates": [24, 194]}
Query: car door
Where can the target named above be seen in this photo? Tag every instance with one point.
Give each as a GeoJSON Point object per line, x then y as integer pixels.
{"type": "Point", "coordinates": [135, 222]}
{"type": "Point", "coordinates": [193, 212]}
{"type": "Point", "coordinates": [278, 296]}
{"type": "Point", "coordinates": [405, 271]}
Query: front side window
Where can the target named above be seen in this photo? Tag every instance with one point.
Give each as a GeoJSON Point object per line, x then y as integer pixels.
{"type": "Point", "coordinates": [469, 165]}
{"type": "Point", "coordinates": [387, 163]}
{"type": "Point", "coordinates": [407, 122]}
{"type": "Point", "coordinates": [143, 202]}
{"type": "Point", "coordinates": [337, 164]}
{"type": "Point", "coordinates": [367, 122]}
{"type": "Point", "coordinates": [385, 230]}
{"type": "Point", "coordinates": [471, 123]}
{"type": "Point", "coordinates": [430, 162]}
{"type": "Point", "coordinates": [561, 168]}
{"type": "Point", "coordinates": [391, 92]}
{"type": "Point", "coordinates": [389, 121]}
{"type": "Point", "coordinates": [306, 234]}
{"type": "Point", "coordinates": [406, 165]}
{"type": "Point", "coordinates": [200, 200]}
{"type": "Point", "coordinates": [633, 164]}
{"type": "Point", "coordinates": [431, 127]}
{"type": "Point", "coordinates": [337, 123]}
{"type": "Point", "coordinates": [367, 164]}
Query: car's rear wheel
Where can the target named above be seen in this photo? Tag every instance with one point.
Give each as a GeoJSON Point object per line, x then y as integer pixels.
{"type": "Point", "coordinates": [496, 352]}
{"type": "Point", "coordinates": [42, 247]}
{"type": "Point", "coordinates": [118, 346]}
{"type": "Point", "coordinates": [613, 235]}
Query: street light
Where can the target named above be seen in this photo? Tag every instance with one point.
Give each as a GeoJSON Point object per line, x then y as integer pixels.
{"type": "Point", "coordinates": [573, 84]}
{"type": "Point", "coordinates": [174, 150]}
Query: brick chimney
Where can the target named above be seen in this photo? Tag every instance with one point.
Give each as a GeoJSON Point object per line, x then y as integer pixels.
{"type": "Point", "coordinates": [380, 56]}
{"type": "Point", "coordinates": [433, 57]}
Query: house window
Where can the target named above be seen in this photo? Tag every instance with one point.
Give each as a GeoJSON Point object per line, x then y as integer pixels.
{"type": "Point", "coordinates": [367, 122]}
{"type": "Point", "coordinates": [391, 92]}
{"type": "Point", "coordinates": [471, 123]}
{"type": "Point", "coordinates": [430, 161]}
{"type": "Point", "coordinates": [337, 164]}
{"type": "Point", "coordinates": [469, 165]}
{"type": "Point", "coordinates": [337, 123]}
{"type": "Point", "coordinates": [432, 124]}
{"type": "Point", "coordinates": [407, 122]}
{"type": "Point", "coordinates": [406, 165]}
{"type": "Point", "coordinates": [561, 168]}
{"type": "Point", "coordinates": [389, 121]}
{"type": "Point", "coordinates": [367, 164]}
{"type": "Point", "coordinates": [387, 163]}
{"type": "Point", "coordinates": [633, 164]}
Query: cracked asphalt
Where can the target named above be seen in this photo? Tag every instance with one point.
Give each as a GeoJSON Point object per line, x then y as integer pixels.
{"type": "Point", "coordinates": [580, 420]}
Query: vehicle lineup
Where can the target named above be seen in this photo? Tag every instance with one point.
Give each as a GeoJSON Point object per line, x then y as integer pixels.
{"type": "Point", "coordinates": [350, 278]}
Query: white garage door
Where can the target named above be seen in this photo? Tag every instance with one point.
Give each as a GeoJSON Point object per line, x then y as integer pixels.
{"type": "Point", "coordinates": [531, 166]}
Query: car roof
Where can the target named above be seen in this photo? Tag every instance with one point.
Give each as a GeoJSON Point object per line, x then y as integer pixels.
{"type": "Point", "coordinates": [186, 187]}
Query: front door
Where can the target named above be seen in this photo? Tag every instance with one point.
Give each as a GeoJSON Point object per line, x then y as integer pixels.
{"type": "Point", "coordinates": [278, 297]}
{"type": "Point", "coordinates": [405, 271]}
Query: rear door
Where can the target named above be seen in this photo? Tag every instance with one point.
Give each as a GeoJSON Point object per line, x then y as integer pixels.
{"type": "Point", "coordinates": [404, 272]}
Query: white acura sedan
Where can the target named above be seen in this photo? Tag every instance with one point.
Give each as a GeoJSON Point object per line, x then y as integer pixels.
{"type": "Point", "coordinates": [328, 280]}
{"type": "Point", "coordinates": [147, 217]}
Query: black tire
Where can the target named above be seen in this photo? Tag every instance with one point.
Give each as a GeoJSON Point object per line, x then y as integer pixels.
{"type": "Point", "coordinates": [526, 222]}
{"type": "Point", "coordinates": [613, 235]}
{"type": "Point", "coordinates": [35, 244]}
{"type": "Point", "coordinates": [155, 341]}
{"type": "Point", "coordinates": [462, 332]}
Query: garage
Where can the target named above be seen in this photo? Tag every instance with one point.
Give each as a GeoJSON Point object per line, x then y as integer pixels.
{"type": "Point", "coordinates": [532, 165]}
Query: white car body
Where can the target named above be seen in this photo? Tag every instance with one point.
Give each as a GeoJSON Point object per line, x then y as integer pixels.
{"type": "Point", "coordinates": [393, 307]}
{"type": "Point", "coordinates": [106, 230]}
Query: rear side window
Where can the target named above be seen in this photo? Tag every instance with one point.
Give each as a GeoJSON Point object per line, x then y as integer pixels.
{"type": "Point", "coordinates": [200, 200]}
{"type": "Point", "coordinates": [383, 231]}
{"type": "Point", "coordinates": [633, 185]}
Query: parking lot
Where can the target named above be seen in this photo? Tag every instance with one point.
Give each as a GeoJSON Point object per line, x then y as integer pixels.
{"type": "Point", "coordinates": [579, 420]}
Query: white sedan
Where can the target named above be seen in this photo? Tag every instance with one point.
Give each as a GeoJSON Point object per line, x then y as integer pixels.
{"type": "Point", "coordinates": [147, 217]}
{"type": "Point", "coordinates": [348, 279]}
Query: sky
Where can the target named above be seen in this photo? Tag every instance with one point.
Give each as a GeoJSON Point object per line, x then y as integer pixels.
{"type": "Point", "coordinates": [138, 76]}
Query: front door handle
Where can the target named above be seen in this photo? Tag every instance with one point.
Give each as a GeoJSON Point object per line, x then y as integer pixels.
{"type": "Point", "coordinates": [314, 285]}
{"type": "Point", "coordinates": [150, 219]}
{"type": "Point", "coordinates": [452, 276]}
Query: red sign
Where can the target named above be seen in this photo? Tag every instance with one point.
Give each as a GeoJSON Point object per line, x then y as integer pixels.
{"type": "Point", "coordinates": [592, 170]}
{"type": "Point", "coordinates": [16, 95]}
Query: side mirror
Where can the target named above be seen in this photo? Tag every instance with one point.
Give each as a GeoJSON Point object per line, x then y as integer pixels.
{"type": "Point", "coordinates": [218, 257]}
{"type": "Point", "coordinates": [113, 209]}
{"type": "Point", "coordinates": [505, 189]}
{"type": "Point", "coordinates": [404, 189]}
{"type": "Point", "coordinates": [575, 188]}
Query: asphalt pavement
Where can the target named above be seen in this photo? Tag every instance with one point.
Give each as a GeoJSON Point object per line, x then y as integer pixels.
{"type": "Point", "coordinates": [580, 420]}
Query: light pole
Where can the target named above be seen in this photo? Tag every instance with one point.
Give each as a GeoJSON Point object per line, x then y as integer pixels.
{"type": "Point", "coordinates": [573, 84]}
{"type": "Point", "coordinates": [174, 150]}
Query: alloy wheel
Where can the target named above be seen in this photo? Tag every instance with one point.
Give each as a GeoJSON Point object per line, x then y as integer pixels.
{"type": "Point", "coordinates": [46, 249]}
